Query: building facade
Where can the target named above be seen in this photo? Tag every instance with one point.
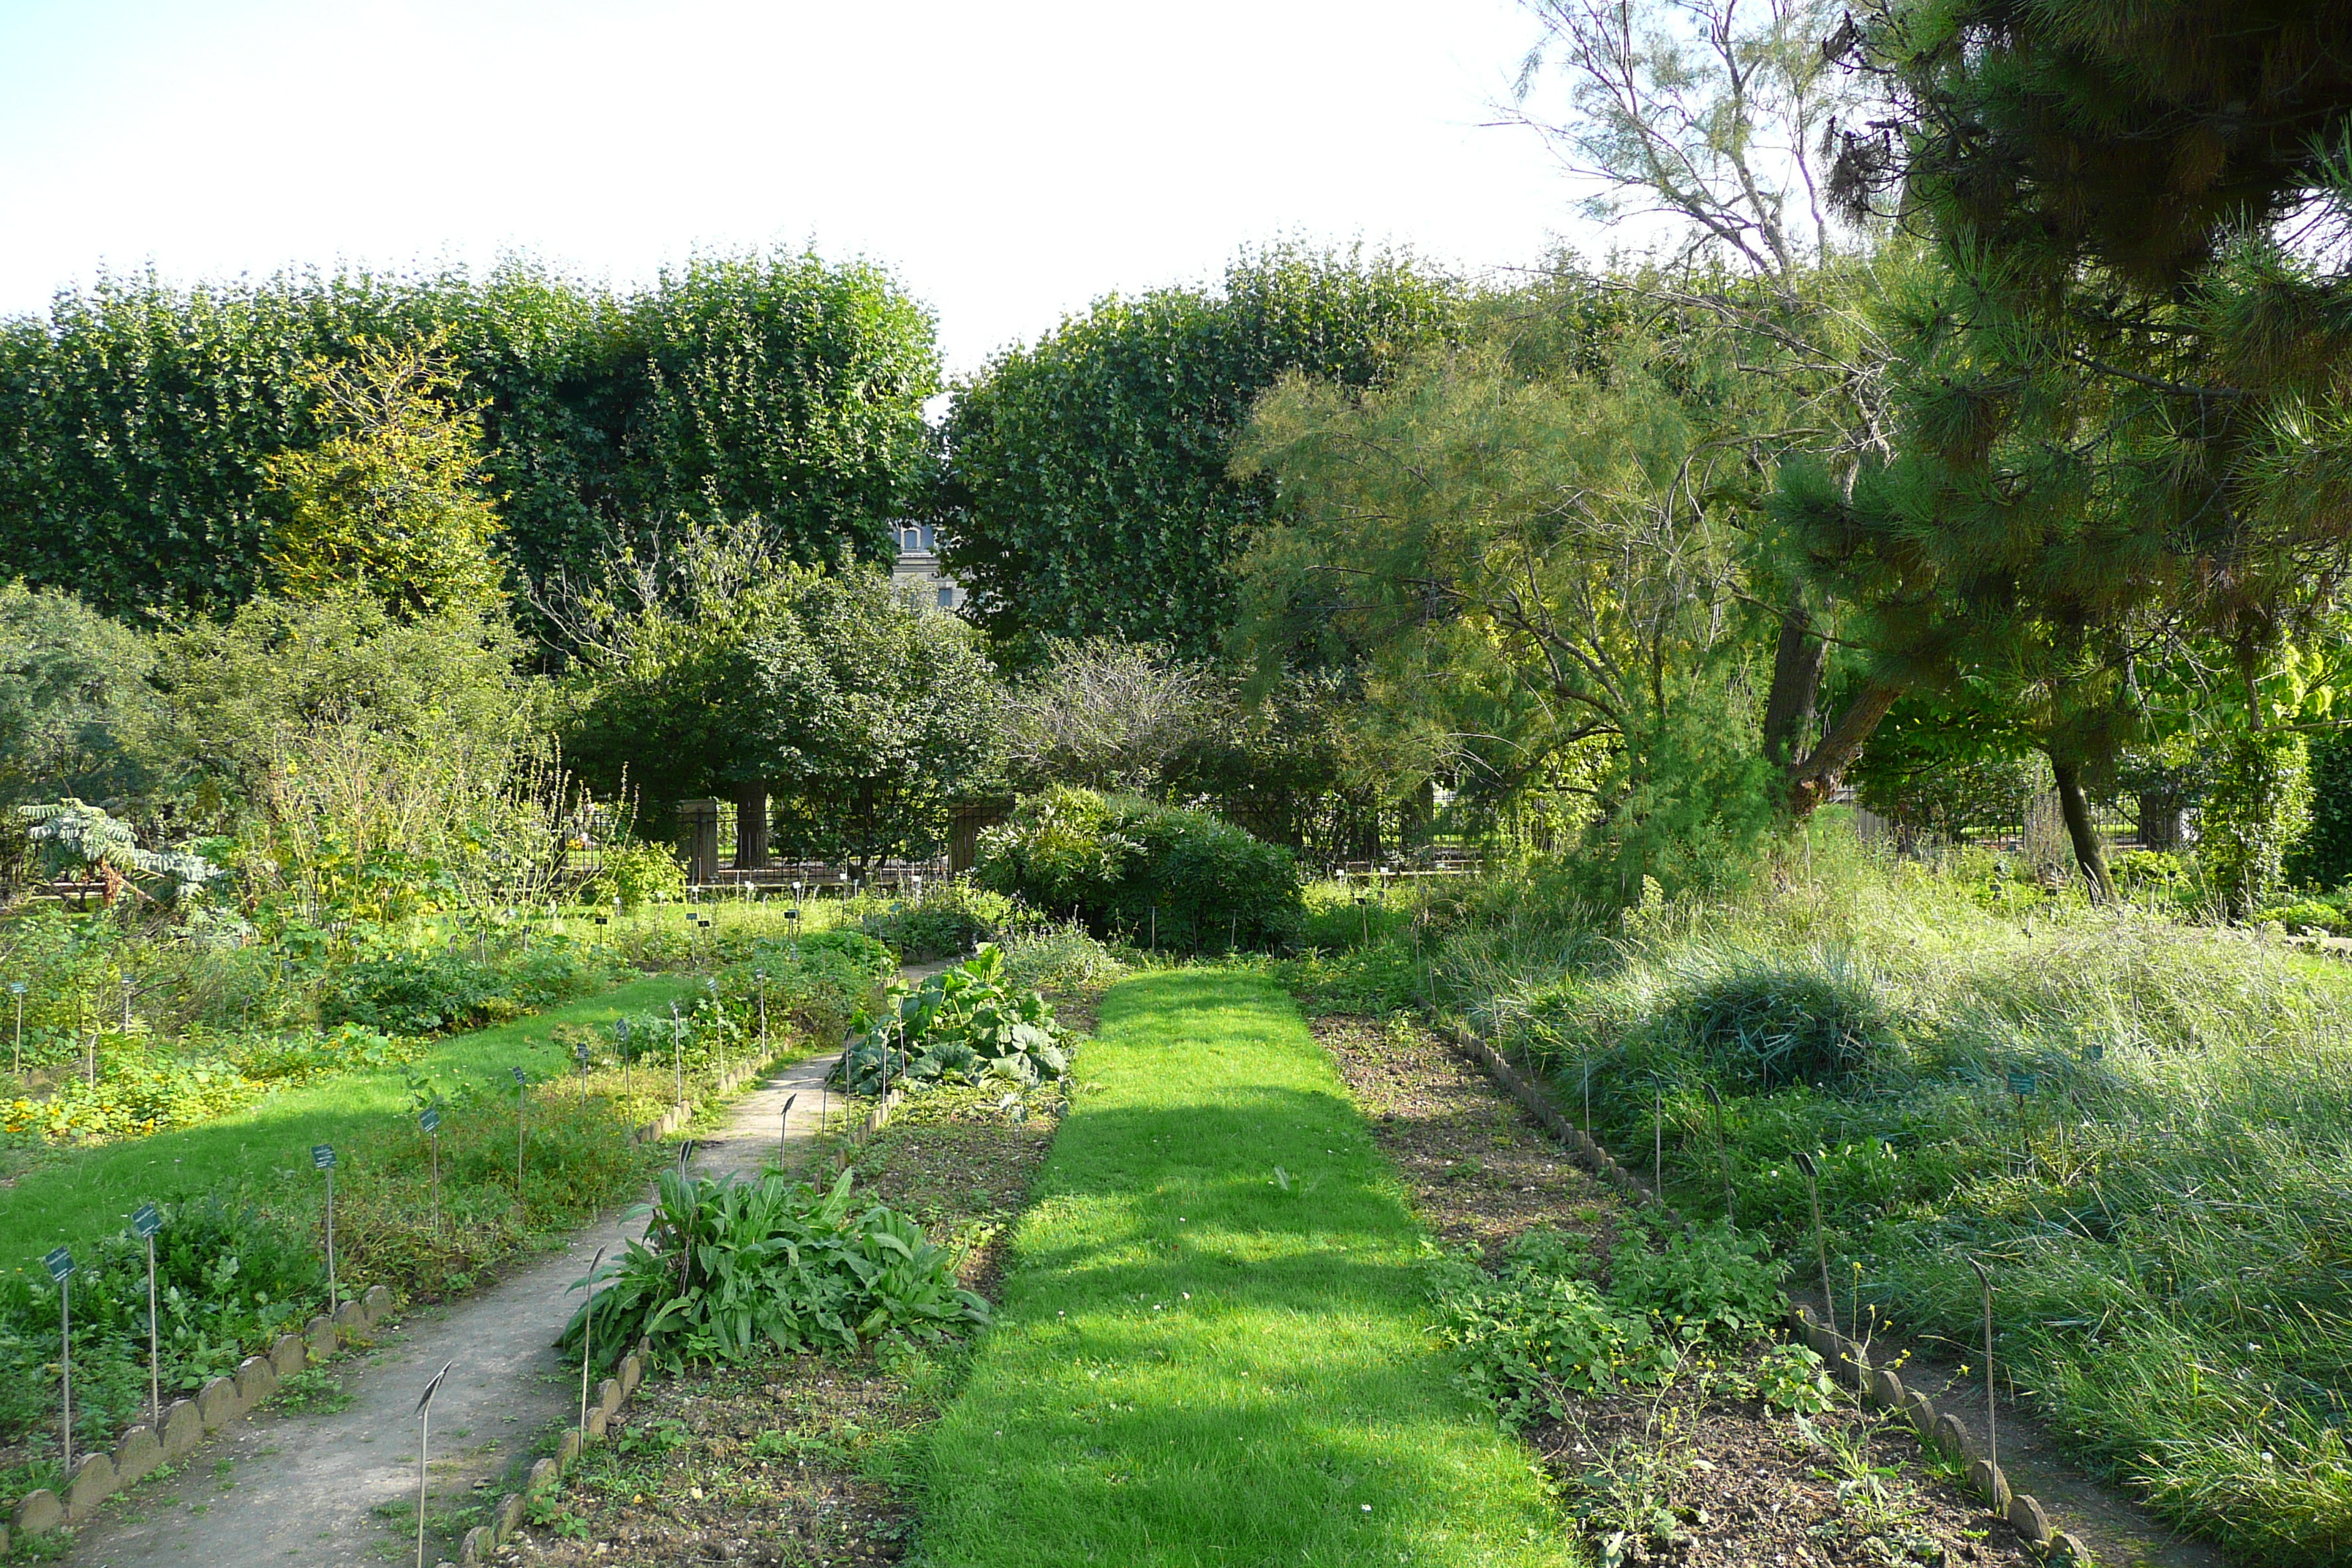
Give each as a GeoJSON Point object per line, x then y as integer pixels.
{"type": "Point", "coordinates": [917, 572]}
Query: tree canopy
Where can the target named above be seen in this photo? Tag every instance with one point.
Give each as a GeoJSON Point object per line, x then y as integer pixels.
{"type": "Point", "coordinates": [140, 423]}
{"type": "Point", "coordinates": [1087, 489]}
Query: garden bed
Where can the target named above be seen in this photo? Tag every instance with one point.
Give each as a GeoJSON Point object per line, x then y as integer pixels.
{"type": "Point", "coordinates": [802, 1458]}
{"type": "Point", "coordinates": [1697, 1473]}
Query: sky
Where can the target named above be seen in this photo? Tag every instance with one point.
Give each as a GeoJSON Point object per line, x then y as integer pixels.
{"type": "Point", "coordinates": [1010, 162]}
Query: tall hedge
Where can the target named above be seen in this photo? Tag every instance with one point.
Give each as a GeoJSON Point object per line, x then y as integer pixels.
{"type": "Point", "coordinates": [1086, 491]}
{"type": "Point", "coordinates": [137, 419]}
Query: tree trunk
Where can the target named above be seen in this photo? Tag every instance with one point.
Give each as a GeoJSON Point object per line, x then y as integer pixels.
{"type": "Point", "coordinates": [750, 826]}
{"type": "Point", "coordinates": [1815, 779]}
{"type": "Point", "coordinates": [1797, 666]}
{"type": "Point", "coordinates": [2090, 847]}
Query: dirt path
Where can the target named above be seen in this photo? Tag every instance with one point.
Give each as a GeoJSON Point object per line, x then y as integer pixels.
{"type": "Point", "coordinates": [309, 1488]}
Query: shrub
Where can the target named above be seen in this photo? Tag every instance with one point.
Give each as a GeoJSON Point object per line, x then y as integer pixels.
{"type": "Point", "coordinates": [816, 985]}
{"type": "Point", "coordinates": [1059, 957]}
{"type": "Point", "coordinates": [729, 1266]}
{"type": "Point", "coordinates": [1128, 866]}
{"type": "Point", "coordinates": [949, 921]}
{"type": "Point", "coordinates": [962, 1025]}
{"type": "Point", "coordinates": [635, 873]}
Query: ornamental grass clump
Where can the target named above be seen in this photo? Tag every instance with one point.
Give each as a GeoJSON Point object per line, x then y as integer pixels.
{"type": "Point", "coordinates": [730, 1267]}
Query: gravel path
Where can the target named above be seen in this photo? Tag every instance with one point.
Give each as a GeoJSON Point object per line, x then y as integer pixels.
{"type": "Point", "coordinates": [286, 1488]}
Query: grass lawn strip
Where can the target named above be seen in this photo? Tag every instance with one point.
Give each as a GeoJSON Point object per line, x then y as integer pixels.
{"type": "Point", "coordinates": [84, 1192]}
{"type": "Point", "coordinates": [1743, 1484]}
{"type": "Point", "coordinates": [1212, 1346]}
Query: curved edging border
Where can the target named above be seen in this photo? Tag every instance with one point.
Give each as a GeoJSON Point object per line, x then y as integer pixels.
{"type": "Point", "coordinates": [484, 1540]}
{"type": "Point", "coordinates": [187, 1422]}
{"type": "Point", "coordinates": [1848, 1361]}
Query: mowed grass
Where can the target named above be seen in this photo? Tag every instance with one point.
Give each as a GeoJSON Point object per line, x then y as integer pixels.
{"type": "Point", "coordinates": [1211, 1347]}
{"type": "Point", "coordinates": [83, 1194]}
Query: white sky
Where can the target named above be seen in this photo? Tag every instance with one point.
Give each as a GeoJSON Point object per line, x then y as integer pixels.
{"type": "Point", "coordinates": [1011, 161]}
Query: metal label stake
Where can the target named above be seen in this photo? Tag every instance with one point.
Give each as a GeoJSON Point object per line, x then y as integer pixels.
{"type": "Point", "coordinates": [784, 1129]}
{"type": "Point", "coordinates": [323, 1158]}
{"type": "Point", "coordinates": [522, 1099]}
{"type": "Point", "coordinates": [144, 1222]}
{"type": "Point", "coordinates": [424, 1437]}
{"type": "Point", "coordinates": [1992, 1441]}
{"type": "Point", "coordinates": [588, 1341]}
{"type": "Point", "coordinates": [431, 1121]}
{"type": "Point", "coordinates": [1722, 1156]}
{"type": "Point", "coordinates": [1821, 1248]}
{"type": "Point", "coordinates": [60, 1264]}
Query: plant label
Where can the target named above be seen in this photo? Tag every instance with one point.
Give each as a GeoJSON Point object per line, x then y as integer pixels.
{"type": "Point", "coordinates": [322, 1157]}
{"type": "Point", "coordinates": [59, 1263]}
{"type": "Point", "coordinates": [519, 1079]}
{"type": "Point", "coordinates": [145, 1221]}
{"type": "Point", "coordinates": [431, 1120]}
{"type": "Point", "coordinates": [2023, 1084]}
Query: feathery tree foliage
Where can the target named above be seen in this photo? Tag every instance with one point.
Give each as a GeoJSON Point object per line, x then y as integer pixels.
{"type": "Point", "coordinates": [72, 698]}
{"type": "Point", "coordinates": [2118, 436]}
{"type": "Point", "coordinates": [139, 423]}
{"type": "Point", "coordinates": [1087, 491]}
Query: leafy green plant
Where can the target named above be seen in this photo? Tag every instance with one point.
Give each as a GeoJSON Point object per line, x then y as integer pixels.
{"type": "Point", "coordinates": [963, 1025]}
{"type": "Point", "coordinates": [1792, 1378]}
{"type": "Point", "coordinates": [635, 874]}
{"type": "Point", "coordinates": [1768, 1024]}
{"type": "Point", "coordinates": [729, 1266]}
{"type": "Point", "coordinates": [1710, 1280]}
{"type": "Point", "coordinates": [1535, 1332]}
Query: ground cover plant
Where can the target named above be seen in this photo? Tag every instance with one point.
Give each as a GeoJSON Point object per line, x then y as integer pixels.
{"type": "Point", "coordinates": [1210, 1339]}
{"type": "Point", "coordinates": [730, 1268]}
{"type": "Point", "coordinates": [2134, 1124]}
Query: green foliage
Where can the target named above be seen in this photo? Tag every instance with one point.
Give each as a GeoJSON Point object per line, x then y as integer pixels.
{"type": "Point", "coordinates": [634, 874]}
{"type": "Point", "coordinates": [1087, 491]}
{"type": "Point", "coordinates": [81, 841]}
{"type": "Point", "coordinates": [962, 1025]}
{"type": "Point", "coordinates": [863, 714]}
{"type": "Point", "coordinates": [229, 1279]}
{"type": "Point", "coordinates": [1542, 561]}
{"type": "Point", "coordinates": [1112, 860]}
{"type": "Point", "coordinates": [2324, 854]}
{"type": "Point", "coordinates": [947, 921]}
{"type": "Point", "coordinates": [1711, 1281]}
{"type": "Point", "coordinates": [72, 698]}
{"type": "Point", "coordinates": [1058, 956]}
{"type": "Point", "coordinates": [1792, 1378]}
{"type": "Point", "coordinates": [428, 992]}
{"type": "Point", "coordinates": [817, 984]}
{"type": "Point", "coordinates": [233, 695]}
{"type": "Point", "coordinates": [1531, 1335]}
{"type": "Point", "coordinates": [729, 1269]}
{"type": "Point", "coordinates": [393, 502]}
{"type": "Point", "coordinates": [137, 423]}
{"type": "Point", "coordinates": [2258, 806]}
{"type": "Point", "coordinates": [1767, 1025]}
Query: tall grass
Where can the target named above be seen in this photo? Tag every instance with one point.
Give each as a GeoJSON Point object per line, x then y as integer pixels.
{"type": "Point", "coordinates": [2167, 1210]}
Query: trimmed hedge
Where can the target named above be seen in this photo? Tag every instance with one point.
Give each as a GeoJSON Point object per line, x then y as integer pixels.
{"type": "Point", "coordinates": [1111, 861]}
